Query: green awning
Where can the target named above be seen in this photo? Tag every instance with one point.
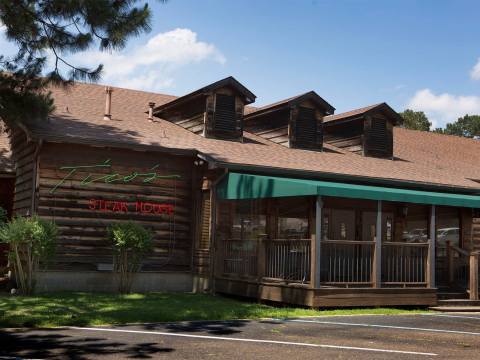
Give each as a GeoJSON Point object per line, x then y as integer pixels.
{"type": "Point", "coordinates": [248, 186]}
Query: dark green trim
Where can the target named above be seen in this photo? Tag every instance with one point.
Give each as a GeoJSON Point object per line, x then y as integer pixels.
{"type": "Point", "coordinates": [248, 186]}
{"type": "Point", "coordinates": [316, 175]}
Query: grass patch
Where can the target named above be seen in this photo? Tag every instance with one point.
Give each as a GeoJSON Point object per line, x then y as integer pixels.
{"type": "Point", "coordinates": [87, 309]}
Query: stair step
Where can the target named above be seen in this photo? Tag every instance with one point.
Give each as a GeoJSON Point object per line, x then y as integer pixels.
{"type": "Point", "coordinates": [452, 295]}
{"type": "Point", "coordinates": [459, 302]}
{"type": "Point", "coordinates": [470, 309]}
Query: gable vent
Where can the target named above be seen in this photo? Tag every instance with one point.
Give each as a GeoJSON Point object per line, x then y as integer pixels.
{"type": "Point", "coordinates": [306, 126]}
{"type": "Point", "coordinates": [378, 139]}
{"type": "Point", "coordinates": [225, 115]}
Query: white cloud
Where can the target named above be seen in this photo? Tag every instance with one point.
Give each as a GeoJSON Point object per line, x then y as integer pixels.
{"type": "Point", "coordinates": [151, 66]}
{"type": "Point", "coordinates": [475, 73]}
{"type": "Point", "coordinates": [443, 108]}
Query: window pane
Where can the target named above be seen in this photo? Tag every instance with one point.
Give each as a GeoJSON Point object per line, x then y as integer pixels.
{"type": "Point", "coordinates": [416, 223]}
{"type": "Point", "coordinates": [293, 218]}
{"type": "Point", "coordinates": [448, 229]}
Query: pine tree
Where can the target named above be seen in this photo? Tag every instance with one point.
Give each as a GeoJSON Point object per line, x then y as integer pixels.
{"type": "Point", "coordinates": [58, 28]}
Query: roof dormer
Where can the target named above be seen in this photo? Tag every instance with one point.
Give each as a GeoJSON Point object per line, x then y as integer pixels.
{"type": "Point", "coordinates": [214, 111]}
{"type": "Point", "coordinates": [366, 131]}
{"type": "Point", "coordinates": [295, 122]}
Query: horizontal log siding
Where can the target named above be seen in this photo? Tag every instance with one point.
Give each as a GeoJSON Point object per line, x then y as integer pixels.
{"type": "Point", "coordinates": [345, 136]}
{"type": "Point", "coordinates": [23, 153]}
{"type": "Point", "coordinates": [273, 127]}
{"type": "Point", "coordinates": [82, 242]}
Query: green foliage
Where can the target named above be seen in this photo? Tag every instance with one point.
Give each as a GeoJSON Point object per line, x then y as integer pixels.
{"type": "Point", "coordinates": [58, 28]}
{"type": "Point", "coordinates": [31, 242]}
{"type": "Point", "coordinates": [415, 120]}
{"type": "Point", "coordinates": [3, 216]}
{"type": "Point", "coordinates": [131, 242]}
{"type": "Point", "coordinates": [467, 126]}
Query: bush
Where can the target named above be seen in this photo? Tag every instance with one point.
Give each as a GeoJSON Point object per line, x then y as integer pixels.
{"type": "Point", "coordinates": [3, 216]}
{"type": "Point", "coordinates": [31, 242]}
{"type": "Point", "coordinates": [130, 243]}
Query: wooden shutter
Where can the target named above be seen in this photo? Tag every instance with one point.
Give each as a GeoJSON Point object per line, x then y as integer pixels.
{"type": "Point", "coordinates": [225, 115]}
{"type": "Point", "coordinates": [378, 138]}
{"type": "Point", "coordinates": [306, 126]}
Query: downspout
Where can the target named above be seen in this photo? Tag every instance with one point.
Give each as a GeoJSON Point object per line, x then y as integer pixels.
{"type": "Point", "coordinates": [213, 240]}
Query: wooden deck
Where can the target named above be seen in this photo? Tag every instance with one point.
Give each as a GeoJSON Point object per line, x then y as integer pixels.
{"type": "Point", "coordinates": [303, 295]}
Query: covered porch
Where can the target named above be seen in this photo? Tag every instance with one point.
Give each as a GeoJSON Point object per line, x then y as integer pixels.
{"type": "Point", "coordinates": [376, 245]}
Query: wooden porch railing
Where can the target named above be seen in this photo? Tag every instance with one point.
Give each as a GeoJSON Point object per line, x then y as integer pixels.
{"type": "Point", "coordinates": [288, 259]}
{"type": "Point", "coordinates": [463, 269]}
{"type": "Point", "coordinates": [345, 262]}
{"type": "Point", "coordinates": [404, 264]}
{"type": "Point", "coordinates": [240, 257]}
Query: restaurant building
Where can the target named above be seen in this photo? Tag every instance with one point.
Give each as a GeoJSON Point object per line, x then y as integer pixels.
{"type": "Point", "coordinates": [289, 202]}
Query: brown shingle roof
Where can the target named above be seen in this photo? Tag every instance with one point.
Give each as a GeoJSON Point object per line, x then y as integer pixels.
{"type": "Point", "coordinates": [280, 104]}
{"type": "Point", "coordinates": [79, 119]}
{"type": "Point", "coordinates": [362, 111]}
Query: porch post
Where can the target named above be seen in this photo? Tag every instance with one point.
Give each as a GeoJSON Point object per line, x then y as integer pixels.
{"type": "Point", "coordinates": [377, 279]}
{"type": "Point", "coordinates": [431, 249]}
{"type": "Point", "coordinates": [318, 238]}
{"type": "Point", "coordinates": [473, 285]}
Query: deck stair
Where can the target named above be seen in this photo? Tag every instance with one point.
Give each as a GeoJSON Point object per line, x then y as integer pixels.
{"type": "Point", "coordinates": [456, 302]}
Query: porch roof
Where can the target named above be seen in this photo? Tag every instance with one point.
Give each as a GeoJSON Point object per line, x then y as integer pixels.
{"type": "Point", "coordinates": [249, 186]}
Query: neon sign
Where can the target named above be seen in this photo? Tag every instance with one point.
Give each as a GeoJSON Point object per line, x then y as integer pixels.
{"type": "Point", "coordinates": [110, 178]}
{"type": "Point", "coordinates": [141, 207]}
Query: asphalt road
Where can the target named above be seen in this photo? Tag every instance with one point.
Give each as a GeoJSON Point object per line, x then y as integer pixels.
{"type": "Point", "coordinates": [438, 336]}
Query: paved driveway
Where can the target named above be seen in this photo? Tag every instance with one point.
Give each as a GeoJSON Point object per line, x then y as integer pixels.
{"type": "Point", "coordinates": [438, 336]}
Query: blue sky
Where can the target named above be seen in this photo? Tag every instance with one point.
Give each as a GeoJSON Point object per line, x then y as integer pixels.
{"type": "Point", "coordinates": [417, 54]}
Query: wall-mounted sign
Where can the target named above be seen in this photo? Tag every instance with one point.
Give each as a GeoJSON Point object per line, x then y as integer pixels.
{"type": "Point", "coordinates": [141, 207]}
{"type": "Point", "coordinates": [112, 177]}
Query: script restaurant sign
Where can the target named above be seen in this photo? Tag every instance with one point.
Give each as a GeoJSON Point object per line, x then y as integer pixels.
{"type": "Point", "coordinates": [90, 176]}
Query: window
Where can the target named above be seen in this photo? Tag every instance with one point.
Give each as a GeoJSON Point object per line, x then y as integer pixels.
{"type": "Point", "coordinates": [241, 220]}
{"type": "Point", "coordinates": [292, 218]}
{"type": "Point", "coordinates": [448, 229]}
{"type": "Point", "coordinates": [325, 228]}
{"type": "Point", "coordinates": [389, 229]}
{"type": "Point", "coordinates": [249, 221]}
{"type": "Point", "coordinates": [416, 223]}
{"type": "Point", "coordinates": [342, 224]}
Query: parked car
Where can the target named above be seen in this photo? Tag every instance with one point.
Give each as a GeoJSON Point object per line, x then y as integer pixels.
{"type": "Point", "coordinates": [415, 235]}
{"type": "Point", "coordinates": [448, 234]}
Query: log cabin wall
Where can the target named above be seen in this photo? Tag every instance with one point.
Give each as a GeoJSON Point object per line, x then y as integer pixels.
{"type": "Point", "coordinates": [24, 156]}
{"type": "Point", "coordinates": [296, 126]}
{"type": "Point", "coordinates": [191, 116]}
{"type": "Point", "coordinates": [272, 126]}
{"type": "Point", "coordinates": [368, 135]}
{"type": "Point", "coordinates": [132, 187]}
{"type": "Point", "coordinates": [216, 114]}
{"type": "Point", "coordinates": [347, 136]}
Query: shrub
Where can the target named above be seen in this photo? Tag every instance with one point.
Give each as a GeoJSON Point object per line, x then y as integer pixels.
{"type": "Point", "coordinates": [3, 216]}
{"type": "Point", "coordinates": [31, 242]}
{"type": "Point", "coordinates": [131, 242]}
